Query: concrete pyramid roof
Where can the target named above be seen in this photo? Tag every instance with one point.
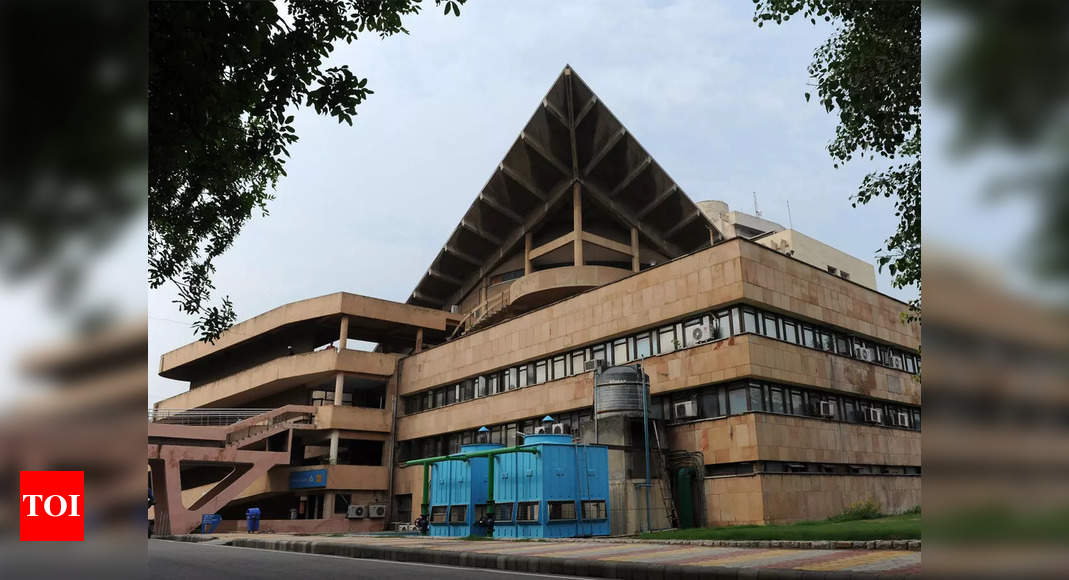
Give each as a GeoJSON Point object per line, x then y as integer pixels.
{"type": "Point", "coordinates": [572, 137]}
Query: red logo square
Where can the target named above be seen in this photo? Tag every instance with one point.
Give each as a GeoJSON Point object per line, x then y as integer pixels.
{"type": "Point", "coordinates": [51, 506]}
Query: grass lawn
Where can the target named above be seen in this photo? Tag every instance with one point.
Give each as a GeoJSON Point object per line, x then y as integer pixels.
{"type": "Point", "coordinates": [903, 527]}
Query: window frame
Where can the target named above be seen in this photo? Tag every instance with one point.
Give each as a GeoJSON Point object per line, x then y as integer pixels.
{"type": "Point", "coordinates": [672, 342]}
{"type": "Point", "coordinates": [793, 326]}
{"type": "Point", "coordinates": [561, 504]}
{"type": "Point", "coordinates": [643, 336]}
{"type": "Point", "coordinates": [520, 505]}
{"type": "Point", "coordinates": [555, 372]}
{"type": "Point", "coordinates": [600, 506]}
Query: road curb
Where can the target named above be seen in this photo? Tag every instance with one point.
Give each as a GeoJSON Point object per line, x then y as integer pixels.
{"type": "Point", "coordinates": [530, 564]}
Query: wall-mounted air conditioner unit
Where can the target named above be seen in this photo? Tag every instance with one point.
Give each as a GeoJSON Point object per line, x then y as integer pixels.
{"type": "Point", "coordinates": [685, 410]}
{"type": "Point", "coordinates": [593, 365]}
{"type": "Point", "coordinates": [902, 419]}
{"type": "Point", "coordinates": [701, 333]}
{"type": "Point", "coordinates": [540, 430]}
{"type": "Point", "coordinates": [874, 415]}
{"type": "Point", "coordinates": [827, 409]}
{"type": "Point", "coordinates": [356, 512]}
{"type": "Point", "coordinates": [896, 362]}
{"type": "Point", "coordinates": [864, 353]}
{"type": "Point", "coordinates": [560, 429]}
{"type": "Point", "coordinates": [376, 511]}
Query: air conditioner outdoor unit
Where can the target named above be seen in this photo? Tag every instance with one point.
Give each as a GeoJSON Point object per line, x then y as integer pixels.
{"type": "Point", "coordinates": [559, 429]}
{"type": "Point", "coordinates": [376, 511]}
{"type": "Point", "coordinates": [863, 353]}
{"type": "Point", "coordinates": [685, 410]}
{"type": "Point", "coordinates": [874, 415]}
{"type": "Point", "coordinates": [827, 409]}
{"type": "Point", "coordinates": [540, 430]}
{"type": "Point", "coordinates": [593, 365]}
{"type": "Point", "coordinates": [356, 512]}
{"type": "Point", "coordinates": [896, 362]}
{"type": "Point", "coordinates": [903, 419]}
{"type": "Point", "coordinates": [701, 333]}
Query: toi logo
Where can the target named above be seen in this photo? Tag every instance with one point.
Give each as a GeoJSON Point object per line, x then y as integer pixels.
{"type": "Point", "coordinates": [51, 506]}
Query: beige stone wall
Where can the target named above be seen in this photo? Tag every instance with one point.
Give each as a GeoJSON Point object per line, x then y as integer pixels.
{"type": "Point", "coordinates": [784, 438]}
{"type": "Point", "coordinates": [726, 440]}
{"type": "Point", "coordinates": [715, 362]}
{"type": "Point", "coordinates": [789, 363]}
{"type": "Point", "coordinates": [283, 374]}
{"type": "Point", "coordinates": [672, 290]}
{"type": "Point", "coordinates": [792, 498]}
{"type": "Point", "coordinates": [733, 501]}
{"type": "Point", "coordinates": [792, 286]}
{"type": "Point", "coordinates": [338, 303]}
{"type": "Point", "coordinates": [353, 418]}
{"type": "Point", "coordinates": [735, 358]}
{"type": "Point", "coordinates": [547, 398]}
{"type": "Point", "coordinates": [764, 436]}
{"type": "Point", "coordinates": [776, 499]}
{"type": "Point", "coordinates": [821, 255]}
{"type": "Point", "coordinates": [728, 272]}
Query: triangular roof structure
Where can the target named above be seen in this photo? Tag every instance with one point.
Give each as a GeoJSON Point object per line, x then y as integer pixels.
{"type": "Point", "coordinates": [572, 138]}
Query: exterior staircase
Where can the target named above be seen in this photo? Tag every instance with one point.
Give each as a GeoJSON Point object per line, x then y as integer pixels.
{"type": "Point", "coordinates": [218, 437]}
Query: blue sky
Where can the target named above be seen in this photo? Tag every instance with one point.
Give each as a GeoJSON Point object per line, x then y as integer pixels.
{"type": "Point", "coordinates": [715, 99]}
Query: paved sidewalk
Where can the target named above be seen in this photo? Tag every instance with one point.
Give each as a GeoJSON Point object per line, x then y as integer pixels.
{"type": "Point", "coordinates": [601, 558]}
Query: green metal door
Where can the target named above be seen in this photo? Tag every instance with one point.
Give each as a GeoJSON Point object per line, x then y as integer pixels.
{"type": "Point", "coordinates": [685, 496]}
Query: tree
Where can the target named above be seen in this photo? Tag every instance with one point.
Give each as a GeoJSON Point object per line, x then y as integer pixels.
{"type": "Point", "coordinates": [223, 80]}
{"type": "Point", "coordinates": [869, 72]}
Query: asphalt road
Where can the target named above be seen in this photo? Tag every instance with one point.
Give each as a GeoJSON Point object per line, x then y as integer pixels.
{"type": "Point", "coordinates": [184, 560]}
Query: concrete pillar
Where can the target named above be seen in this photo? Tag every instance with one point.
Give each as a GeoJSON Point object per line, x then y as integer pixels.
{"type": "Point", "coordinates": [339, 388]}
{"type": "Point", "coordinates": [634, 250]}
{"type": "Point", "coordinates": [577, 224]}
{"type": "Point", "coordinates": [419, 340]}
{"type": "Point", "coordinates": [328, 505]}
{"type": "Point", "coordinates": [334, 437]}
{"type": "Point", "coordinates": [343, 334]}
{"type": "Point", "coordinates": [527, 253]}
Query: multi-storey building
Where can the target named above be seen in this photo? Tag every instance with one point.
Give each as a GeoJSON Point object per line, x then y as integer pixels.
{"type": "Point", "coordinates": [785, 389]}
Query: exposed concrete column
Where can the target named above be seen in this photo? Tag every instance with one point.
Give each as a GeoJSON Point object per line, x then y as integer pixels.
{"type": "Point", "coordinates": [334, 435]}
{"type": "Point", "coordinates": [634, 250]}
{"type": "Point", "coordinates": [328, 505]}
{"type": "Point", "coordinates": [527, 253]}
{"type": "Point", "coordinates": [339, 387]}
{"type": "Point", "coordinates": [343, 334]}
{"type": "Point", "coordinates": [419, 340]}
{"type": "Point", "coordinates": [577, 224]}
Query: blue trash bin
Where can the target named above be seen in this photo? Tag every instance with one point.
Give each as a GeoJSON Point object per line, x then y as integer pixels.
{"type": "Point", "coordinates": [208, 523]}
{"type": "Point", "coordinates": [252, 519]}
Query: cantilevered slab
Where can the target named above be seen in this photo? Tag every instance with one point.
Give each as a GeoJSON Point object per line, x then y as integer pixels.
{"type": "Point", "coordinates": [312, 321]}
{"type": "Point", "coordinates": [572, 139]}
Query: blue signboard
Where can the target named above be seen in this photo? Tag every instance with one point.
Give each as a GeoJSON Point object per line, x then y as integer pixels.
{"type": "Point", "coordinates": [308, 479]}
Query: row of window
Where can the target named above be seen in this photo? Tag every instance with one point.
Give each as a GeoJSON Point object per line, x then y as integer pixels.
{"type": "Point", "coordinates": [524, 511]}
{"type": "Point", "coordinates": [744, 396]}
{"type": "Point", "coordinates": [684, 334]}
{"type": "Point", "coordinates": [752, 467]}
{"type": "Point", "coordinates": [827, 340]}
{"type": "Point", "coordinates": [576, 423]}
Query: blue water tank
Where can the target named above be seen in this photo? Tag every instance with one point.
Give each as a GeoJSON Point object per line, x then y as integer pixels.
{"type": "Point", "coordinates": [458, 491]}
{"type": "Point", "coordinates": [561, 491]}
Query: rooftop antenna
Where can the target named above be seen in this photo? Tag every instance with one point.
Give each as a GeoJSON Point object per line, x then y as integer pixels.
{"type": "Point", "coordinates": [790, 221]}
{"type": "Point", "coordinates": [756, 211]}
